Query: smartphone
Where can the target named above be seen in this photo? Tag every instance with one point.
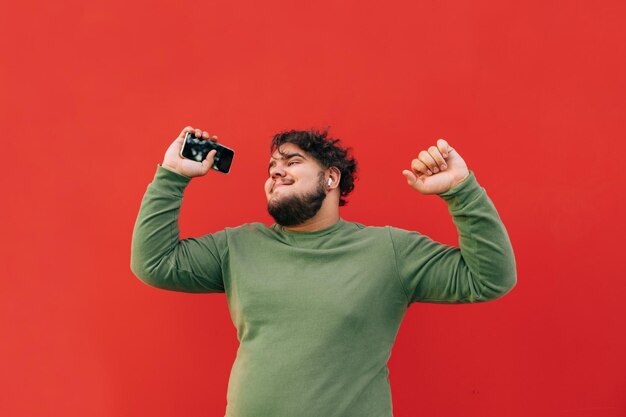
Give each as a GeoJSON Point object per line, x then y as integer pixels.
{"type": "Point", "coordinates": [197, 149]}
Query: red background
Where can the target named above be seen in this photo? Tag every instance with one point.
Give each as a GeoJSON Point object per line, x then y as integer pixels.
{"type": "Point", "coordinates": [531, 94]}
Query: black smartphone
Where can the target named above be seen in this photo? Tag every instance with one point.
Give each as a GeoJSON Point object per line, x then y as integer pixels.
{"type": "Point", "coordinates": [197, 149]}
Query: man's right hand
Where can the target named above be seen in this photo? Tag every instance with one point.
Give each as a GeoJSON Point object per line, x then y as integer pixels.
{"type": "Point", "coordinates": [174, 162]}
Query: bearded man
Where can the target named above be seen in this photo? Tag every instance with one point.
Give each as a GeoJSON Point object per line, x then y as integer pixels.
{"type": "Point", "coordinates": [317, 300]}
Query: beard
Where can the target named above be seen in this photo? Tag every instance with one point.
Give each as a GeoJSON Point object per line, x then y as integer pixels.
{"type": "Point", "coordinates": [296, 209]}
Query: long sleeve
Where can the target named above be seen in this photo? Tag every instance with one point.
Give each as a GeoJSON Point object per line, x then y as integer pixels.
{"type": "Point", "coordinates": [158, 257]}
{"type": "Point", "coordinates": [482, 268]}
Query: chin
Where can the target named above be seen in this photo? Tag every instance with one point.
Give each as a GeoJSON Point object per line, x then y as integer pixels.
{"type": "Point", "coordinates": [277, 194]}
{"type": "Point", "coordinates": [273, 200]}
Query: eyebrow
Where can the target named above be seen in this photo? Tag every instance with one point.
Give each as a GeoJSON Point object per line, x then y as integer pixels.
{"type": "Point", "coordinates": [285, 156]}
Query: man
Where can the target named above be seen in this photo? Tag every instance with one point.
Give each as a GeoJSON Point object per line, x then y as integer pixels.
{"type": "Point", "coordinates": [317, 301]}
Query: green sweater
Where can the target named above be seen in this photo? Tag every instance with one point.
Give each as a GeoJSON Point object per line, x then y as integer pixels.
{"type": "Point", "coordinates": [317, 313]}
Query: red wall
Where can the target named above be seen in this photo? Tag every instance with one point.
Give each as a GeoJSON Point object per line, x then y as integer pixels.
{"type": "Point", "coordinates": [531, 94]}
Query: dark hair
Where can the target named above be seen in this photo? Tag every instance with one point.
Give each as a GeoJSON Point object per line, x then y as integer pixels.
{"type": "Point", "coordinates": [327, 151]}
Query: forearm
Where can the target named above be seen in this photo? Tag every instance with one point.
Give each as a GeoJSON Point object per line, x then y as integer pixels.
{"type": "Point", "coordinates": [482, 268]}
{"type": "Point", "coordinates": [156, 232]}
{"type": "Point", "coordinates": [158, 256]}
{"type": "Point", "coordinates": [488, 259]}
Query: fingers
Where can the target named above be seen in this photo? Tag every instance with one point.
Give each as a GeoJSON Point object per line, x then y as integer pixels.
{"type": "Point", "coordinates": [184, 132]}
{"type": "Point", "coordinates": [197, 133]}
{"type": "Point", "coordinates": [432, 161]}
{"type": "Point", "coordinates": [437, 163]}
{"type": "Point", "coordinates": [433, 158]}
{"type": "Point", "coordinates": [206, 136]}
{"type": "Point", "coordinates": [443, 147]}
{"type": "Point", "coordinates": [420, 168]}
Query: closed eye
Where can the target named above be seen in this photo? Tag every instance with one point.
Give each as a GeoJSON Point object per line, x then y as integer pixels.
{"type": "Point", "coordinates": [292, 162]}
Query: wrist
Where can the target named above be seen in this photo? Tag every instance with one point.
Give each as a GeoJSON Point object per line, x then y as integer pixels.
{"type": "Point", "coordinates": [174, 170]}
{"type": "Point", "coordinates": [459, 181]}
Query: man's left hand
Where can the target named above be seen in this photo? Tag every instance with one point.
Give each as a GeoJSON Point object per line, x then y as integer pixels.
{"type": "Point", "coordinates": [437, 169]}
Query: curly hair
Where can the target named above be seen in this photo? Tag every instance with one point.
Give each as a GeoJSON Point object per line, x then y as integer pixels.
{"type": "Point", "coordinates": [327, 151]}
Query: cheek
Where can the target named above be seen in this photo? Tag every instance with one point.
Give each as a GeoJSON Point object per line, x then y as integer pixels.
{"type": "Point", "coordinates": [267, 186]}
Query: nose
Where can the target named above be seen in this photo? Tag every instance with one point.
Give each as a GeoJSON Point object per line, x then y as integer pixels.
{"type": "Point", "coordinates": [277, 172]}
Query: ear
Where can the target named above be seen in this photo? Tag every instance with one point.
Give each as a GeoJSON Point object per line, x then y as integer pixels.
{"type": "Point", "coordinates": [334, 175]}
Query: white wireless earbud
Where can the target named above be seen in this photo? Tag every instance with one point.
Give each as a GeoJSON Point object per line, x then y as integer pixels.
{"type": "Point", "coordinates": [330, 181]}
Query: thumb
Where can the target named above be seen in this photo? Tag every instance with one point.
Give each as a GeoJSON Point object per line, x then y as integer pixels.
{"type": "Point", "coordinates": [411, 179]}
{"type": "Point", "coordinates": [208, 161]}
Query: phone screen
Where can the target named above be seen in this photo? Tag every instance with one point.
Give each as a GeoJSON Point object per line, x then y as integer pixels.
{"type": "Point", "coordinates": [197, 149]}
